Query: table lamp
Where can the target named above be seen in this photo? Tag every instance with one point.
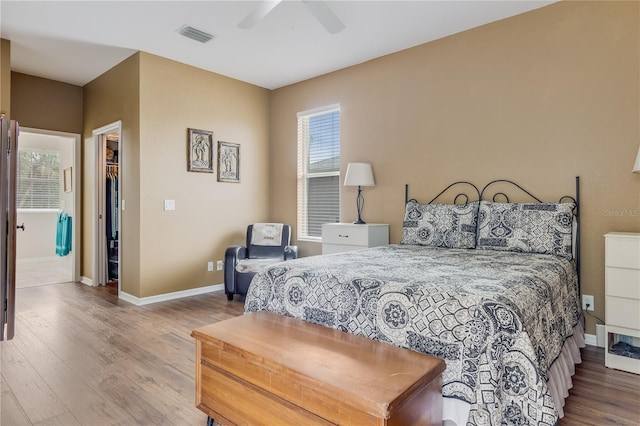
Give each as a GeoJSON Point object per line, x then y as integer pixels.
{"type": "Point", "coordinates": [359, 174]}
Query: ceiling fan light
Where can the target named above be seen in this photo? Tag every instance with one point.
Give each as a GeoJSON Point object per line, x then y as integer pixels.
{"type": "Point", "coordinates": [318, 8]}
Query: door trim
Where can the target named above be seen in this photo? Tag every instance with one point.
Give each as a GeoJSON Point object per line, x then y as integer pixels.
{"type": "Point", "coordinates": [99, 264]}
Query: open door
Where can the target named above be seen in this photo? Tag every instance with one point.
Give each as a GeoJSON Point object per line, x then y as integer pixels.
{"type": "Point", "coordinates": [8, 226]}
{"type": "Point", "coordinates": [107, 202]}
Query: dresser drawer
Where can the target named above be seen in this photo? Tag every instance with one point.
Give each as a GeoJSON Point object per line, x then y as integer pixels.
{"type": "Point", "coordinates": [623, 312]}
{"type": "Point", "coordinates": [623, 282]}
{"type": "Point", "coordinates": [353, 235]}
{"type": "Point", "coordinates": [622, 250]}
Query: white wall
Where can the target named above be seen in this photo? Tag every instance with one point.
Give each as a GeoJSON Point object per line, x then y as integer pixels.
{"type": "Point", "coordinates": [39, 237]}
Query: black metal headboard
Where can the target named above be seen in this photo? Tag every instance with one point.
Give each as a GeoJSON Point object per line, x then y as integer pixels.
{"type": "Point", "coordinates": [486, 195]}
{"type": "Point", "coordinates": [455, 200]}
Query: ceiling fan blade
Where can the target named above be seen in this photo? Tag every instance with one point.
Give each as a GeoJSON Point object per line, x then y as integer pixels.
{"type": "Point", "coordinates": [258, 13]}
{"type": "Point", "coordinates": [324, 15]}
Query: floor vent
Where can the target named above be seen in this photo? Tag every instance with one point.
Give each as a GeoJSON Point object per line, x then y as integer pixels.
{"type": "Point", "coordinates": [194, 34]}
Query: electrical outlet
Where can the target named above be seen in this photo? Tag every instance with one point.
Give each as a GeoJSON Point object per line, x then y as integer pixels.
{"type": "Point", "coordinates": [209, 266]}
{"type": "Point", "coordinates": [220, 265]}
{"type": "Point", "coordinates": [587, 302]}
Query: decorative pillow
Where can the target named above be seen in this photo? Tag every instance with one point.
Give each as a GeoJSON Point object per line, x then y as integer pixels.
{"type": "Point", "coordinates": [266, 234]}
{"type": "Point", "coordinates": [529, 228]}
{"type": "Point", "coordinates": [440, 225]}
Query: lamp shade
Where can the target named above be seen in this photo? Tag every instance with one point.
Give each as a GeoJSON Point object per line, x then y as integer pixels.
{"type": "Point", "coordinates": [359, 174]}
{"type": "Point", "coordinates": [636, 166]}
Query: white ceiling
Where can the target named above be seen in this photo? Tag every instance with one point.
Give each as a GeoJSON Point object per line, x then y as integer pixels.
{"type": "Point", "coordinates": [76, 41]}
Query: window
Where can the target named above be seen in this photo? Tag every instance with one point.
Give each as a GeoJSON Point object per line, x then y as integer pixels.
{"type": "Point", "coordinates": [38, 180]}
{"type": "Point", "coordinates": [318, 170]}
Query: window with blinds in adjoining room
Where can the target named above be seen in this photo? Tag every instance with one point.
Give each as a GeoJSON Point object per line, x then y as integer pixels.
{"type": "Point", "coordinates": [38, 180]}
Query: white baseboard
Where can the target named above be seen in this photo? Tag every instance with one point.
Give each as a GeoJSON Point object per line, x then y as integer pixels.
{"type": "Point", "coordinates": [86, 281]}
{"type": "Point", "coordinates": [597, 340]}
{"type": "Point", "coordinates": [139, 301]}
{"type": "Point", "coordinates": [36, 259]}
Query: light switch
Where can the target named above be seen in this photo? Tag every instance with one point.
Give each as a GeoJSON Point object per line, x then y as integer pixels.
{"type": "Point", "coordinates": [169, 205]}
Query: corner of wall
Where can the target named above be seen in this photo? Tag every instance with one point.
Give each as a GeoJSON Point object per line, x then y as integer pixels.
{"type": "Point", "coordinates": [5, 77]}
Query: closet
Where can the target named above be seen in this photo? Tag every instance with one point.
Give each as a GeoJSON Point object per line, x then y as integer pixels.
{"type": "Point", "coordinates": [111, 207]}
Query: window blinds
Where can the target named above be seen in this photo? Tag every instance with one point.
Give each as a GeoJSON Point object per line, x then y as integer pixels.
{"type": "Point", "coordinates": [318, 170]}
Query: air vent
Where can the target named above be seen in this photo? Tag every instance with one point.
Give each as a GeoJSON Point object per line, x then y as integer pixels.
{"type": "Point", "coordinates": [194, 34]}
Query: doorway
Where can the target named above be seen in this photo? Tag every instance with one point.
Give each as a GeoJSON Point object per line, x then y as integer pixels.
{"type": "Point", "coordinates": [107, 229]}
{"type": "Point", "coordinates": [47, 191]}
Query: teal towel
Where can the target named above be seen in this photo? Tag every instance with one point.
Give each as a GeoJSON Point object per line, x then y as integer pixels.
{"type": "Point", "coordinates": [63, 234]}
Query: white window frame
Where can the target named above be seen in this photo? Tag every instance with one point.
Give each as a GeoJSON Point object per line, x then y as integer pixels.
{"type": "Point", "coordinates": [303, 173]}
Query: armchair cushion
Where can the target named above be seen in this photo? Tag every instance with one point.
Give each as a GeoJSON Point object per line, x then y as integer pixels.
{"type": "Point", "coordinates": [254, 265]}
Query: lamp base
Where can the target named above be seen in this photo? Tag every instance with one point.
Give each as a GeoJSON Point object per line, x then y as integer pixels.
{"type": "Point", "coordinates": [359, 204]}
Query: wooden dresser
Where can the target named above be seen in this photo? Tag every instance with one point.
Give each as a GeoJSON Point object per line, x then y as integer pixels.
{"type": "Point", "coordinates": [622, 298]}
{"type": "Point", "coordinates": [266, 369]}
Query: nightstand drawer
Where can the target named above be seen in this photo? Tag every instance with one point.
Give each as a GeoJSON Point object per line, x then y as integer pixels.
{"type": "Point", "coordinates": [623, 312]}
{"type": "Point", "coordinates": [622, 250]}
{"type": "Point", "coordinates": [353, 235]}
{"type": "Point", "coordinates": [339, 248]}
{"type": "Point", "coordinates": [623, 282]}
{"type": "Point", "coordinates": [339, 237]}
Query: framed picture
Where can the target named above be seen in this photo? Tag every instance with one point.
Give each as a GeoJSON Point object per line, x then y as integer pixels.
{"type": "Point", "coordinates": [228, 162]}
{"type": "Point", "coordinates": [67, 180]}
{"type": "Point", "coordinates": [200, 145]}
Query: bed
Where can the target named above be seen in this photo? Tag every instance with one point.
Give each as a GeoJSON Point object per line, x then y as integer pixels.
{"type": "Point", "coordinates": [487, 285]}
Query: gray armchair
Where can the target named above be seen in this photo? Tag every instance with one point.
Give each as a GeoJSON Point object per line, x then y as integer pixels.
{"type": "Point", "coordinates": [268, 243]}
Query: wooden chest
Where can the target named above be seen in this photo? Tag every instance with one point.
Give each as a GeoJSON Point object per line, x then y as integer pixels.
{"type": "Point", "coordinates": [267, 369]}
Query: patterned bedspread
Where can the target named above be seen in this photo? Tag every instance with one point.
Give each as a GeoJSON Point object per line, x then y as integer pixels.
{"type": "Point", "coordinates": [498, 319]}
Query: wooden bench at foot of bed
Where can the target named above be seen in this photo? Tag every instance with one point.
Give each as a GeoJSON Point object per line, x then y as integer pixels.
{"type": "Point", "coordinates": [267, 369]}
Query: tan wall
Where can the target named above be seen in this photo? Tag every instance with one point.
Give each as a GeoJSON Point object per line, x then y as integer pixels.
{"type": "Point", "coordinates": [210, 215]}
{"type": "Point", "coordinates": [537, 98]}
{"type": "Point", "coordinates": [5, 77]}
{"type": "Point", "coordinates": [113, 96]}
{"type": "Point", "coordinates": [46, 104]}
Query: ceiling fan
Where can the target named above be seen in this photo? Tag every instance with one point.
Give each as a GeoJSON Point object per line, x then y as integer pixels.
{"type": "Point", "coordinates": [318, 8]}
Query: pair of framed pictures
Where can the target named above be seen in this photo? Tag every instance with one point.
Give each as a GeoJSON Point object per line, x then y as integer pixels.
{"type": "Point", "coordinates": [201, 157]}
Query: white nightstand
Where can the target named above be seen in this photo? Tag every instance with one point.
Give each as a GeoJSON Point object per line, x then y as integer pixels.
{"type": "Point", "coordinates": [340, 237]}
{"type": "Point", "coordinates": [622, 293]}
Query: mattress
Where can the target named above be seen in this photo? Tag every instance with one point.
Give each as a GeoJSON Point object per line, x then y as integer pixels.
{"type": "Point", "coordinates": [498, 319]}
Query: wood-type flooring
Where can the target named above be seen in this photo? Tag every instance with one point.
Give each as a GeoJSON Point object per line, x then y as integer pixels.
{"type": "Point", "coordinates": [82, 357]}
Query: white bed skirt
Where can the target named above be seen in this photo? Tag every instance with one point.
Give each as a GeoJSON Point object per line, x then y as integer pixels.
{"type": "Point", "coordinates": [456, 412]}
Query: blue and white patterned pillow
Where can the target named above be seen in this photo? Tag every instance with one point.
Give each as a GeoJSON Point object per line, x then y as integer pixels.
{"type": "Point", "coordinates": [530, 228]}
{"type": "Point", "coordinates": [440, 225]}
